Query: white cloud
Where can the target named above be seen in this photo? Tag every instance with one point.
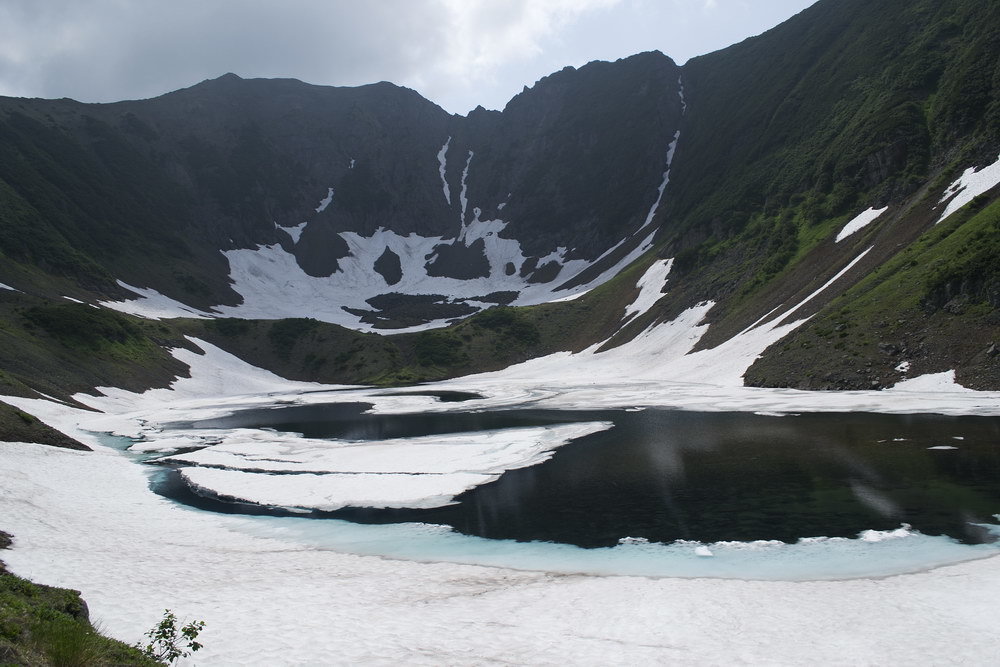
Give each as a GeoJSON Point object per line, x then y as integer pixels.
{"type": "Point", "coordinates": [456, 52]}
{"type": "Point", "coordinates": [482, 36]}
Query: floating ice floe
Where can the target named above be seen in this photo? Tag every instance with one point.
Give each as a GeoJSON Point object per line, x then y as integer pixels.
{"type": "Point", "coordinates": [417, 472]}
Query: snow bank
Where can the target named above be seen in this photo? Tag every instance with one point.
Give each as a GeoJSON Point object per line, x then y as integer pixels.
{"type": "Point", "coordinates": [932, 382]}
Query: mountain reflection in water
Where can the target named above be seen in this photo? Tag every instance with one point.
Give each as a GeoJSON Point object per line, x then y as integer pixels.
{"type": "Point", "coordinates": [666, 475]}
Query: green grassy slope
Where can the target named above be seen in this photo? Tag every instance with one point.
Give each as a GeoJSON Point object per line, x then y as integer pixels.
{"type": "Point", "coordinates": [848, 105]}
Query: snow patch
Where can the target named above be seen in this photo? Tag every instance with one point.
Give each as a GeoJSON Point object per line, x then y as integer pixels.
{"type": "Point", "coordinates": [969, 185]}
{"type": "Point", "coordinates": [325, 201]}
{"type": "Point", "coordinates": [154, 306]}
{"type": "Point", "coordinates": [8, 287]}
{"type": "Point", "coordinates": [650, 286]}
{"type": "Point", "coordinates": [295, 232]}
{"type": "Point", "coordinates": [274, 286]}
{"type": "Point", "coordinates": [859, 222]}
{"type": "Point", "coordinates": [463, 199]}
{"type": "Point", "coordinates": [442, 167]}
{"type": "Point", "coordinates": [671, 149]}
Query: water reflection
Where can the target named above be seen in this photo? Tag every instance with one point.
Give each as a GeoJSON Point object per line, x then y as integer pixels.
{"type": "Point", "coordinates": [666, 475]}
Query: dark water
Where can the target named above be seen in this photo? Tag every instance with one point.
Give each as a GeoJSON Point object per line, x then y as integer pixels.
{"type": "Point", "coordinates": [666, 475]}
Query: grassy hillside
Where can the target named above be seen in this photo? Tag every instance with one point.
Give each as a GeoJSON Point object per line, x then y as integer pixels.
{"type": "Point", "coordinates": [848, 105]}
{"type": "Point", "coordinates": [935, 306]}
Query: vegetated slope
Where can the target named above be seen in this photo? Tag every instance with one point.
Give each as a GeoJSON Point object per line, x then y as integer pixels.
{"type": "Point", "coordinates": [789, 135]}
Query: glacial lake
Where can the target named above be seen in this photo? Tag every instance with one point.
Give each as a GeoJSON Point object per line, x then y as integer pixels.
{"type": "Point", "coordinates": [668, 475]}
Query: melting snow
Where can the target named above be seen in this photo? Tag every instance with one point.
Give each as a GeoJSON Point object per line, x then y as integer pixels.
{"type": "Point", "coordinates": [970, 184]}
{"type": "Point", "coordinates": [861, 221]}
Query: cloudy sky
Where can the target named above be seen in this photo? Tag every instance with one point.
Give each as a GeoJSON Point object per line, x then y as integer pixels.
{"type": "Point", "coordinates": [458, 53]}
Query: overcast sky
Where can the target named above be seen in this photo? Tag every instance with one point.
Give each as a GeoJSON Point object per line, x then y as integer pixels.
{"type": "Point", "coordinates": [458, 53]}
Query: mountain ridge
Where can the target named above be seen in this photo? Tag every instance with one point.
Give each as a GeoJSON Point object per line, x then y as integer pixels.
{"type": "Point", "coordinates": [373, 208]}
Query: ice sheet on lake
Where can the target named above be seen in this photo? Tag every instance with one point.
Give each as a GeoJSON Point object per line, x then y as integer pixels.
{"type": "Point", "coordinates": [418, 472]}
{"type": "Point", "coordinates": [332, 491]}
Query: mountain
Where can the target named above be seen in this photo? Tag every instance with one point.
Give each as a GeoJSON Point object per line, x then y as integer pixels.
{"type": "Point", "coordinates": [371, 199]}
{"type": "Point", "coordinates": [289, 222]}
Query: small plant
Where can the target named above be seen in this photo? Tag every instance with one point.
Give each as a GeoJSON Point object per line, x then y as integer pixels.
{"type": "Point", "coordinates": [167, 642]}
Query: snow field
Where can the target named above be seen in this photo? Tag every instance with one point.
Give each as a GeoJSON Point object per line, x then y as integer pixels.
{"type": "Point", "coordinates": [269, 600]}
